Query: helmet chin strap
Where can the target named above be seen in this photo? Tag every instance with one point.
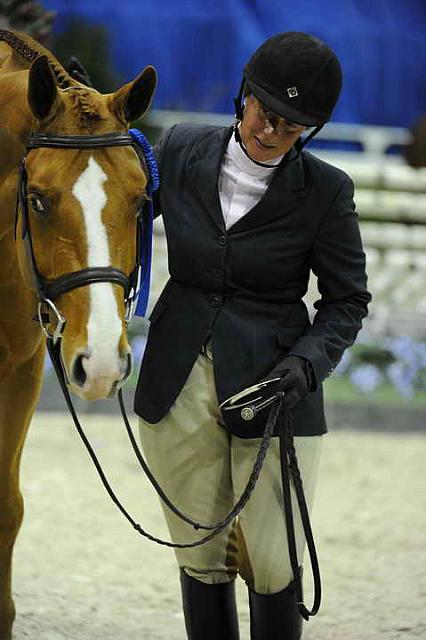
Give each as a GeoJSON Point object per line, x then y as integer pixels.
{"type": "Point", "coordinates": [260, 164]}
{"type": "Point", "coordinates": [301, 143]}
{"type": "Point", "coordinates": [239, 113]}
{"type": "Point", "coordinates": [238, 101]}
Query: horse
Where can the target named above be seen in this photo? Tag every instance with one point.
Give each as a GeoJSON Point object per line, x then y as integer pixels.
{"type": "Point", "coordinates": [65, 148]}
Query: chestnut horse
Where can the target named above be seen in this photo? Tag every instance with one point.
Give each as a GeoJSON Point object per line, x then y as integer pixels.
{"type": "Point", "coordinates": [81, 206]}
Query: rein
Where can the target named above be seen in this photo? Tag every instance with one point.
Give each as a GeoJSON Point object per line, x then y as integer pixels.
{"type": "Point", "coordinates": [48, 292]}
{"type": "Point", "coordinates": [216, 527]}
{"type": "Point", "coordinates": [289, 466]}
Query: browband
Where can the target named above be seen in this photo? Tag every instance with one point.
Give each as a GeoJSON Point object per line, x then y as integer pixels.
{"type": "Point", "coordinates": [113, 139]}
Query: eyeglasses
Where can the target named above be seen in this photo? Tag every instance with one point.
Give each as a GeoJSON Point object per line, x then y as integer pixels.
{"type": "Point", "coordinates": [279, 125]}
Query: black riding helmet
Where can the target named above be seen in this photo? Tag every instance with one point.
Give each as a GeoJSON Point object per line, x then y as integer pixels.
{"type": "Point", "coordinates": [295, 75]}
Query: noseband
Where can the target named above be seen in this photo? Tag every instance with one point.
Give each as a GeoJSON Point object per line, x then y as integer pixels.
{"type": "Point", "coordinates": [49, 290]}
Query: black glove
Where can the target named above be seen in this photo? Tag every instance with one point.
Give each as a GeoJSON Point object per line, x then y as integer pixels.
{"type": "Point", "coordinates": [78, 72]}
{"type": "Point", "coordinates": [296, 379]}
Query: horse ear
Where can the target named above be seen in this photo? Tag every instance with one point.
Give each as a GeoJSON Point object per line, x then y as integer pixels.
{"type": "Point", "coordinates": [42, 90]}
{"type": "Point", "coordinates": [133, 100]}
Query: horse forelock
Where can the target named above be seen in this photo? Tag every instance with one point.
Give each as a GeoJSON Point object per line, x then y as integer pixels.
{"type": "Point", "coordinates": [85, 105]}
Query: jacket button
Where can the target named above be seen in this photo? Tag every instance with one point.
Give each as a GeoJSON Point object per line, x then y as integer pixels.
{"type": "Point", "coordinates": [222, 240]}
{"type": "Point", "coordinates": [216, 272]}
{"type": "Point", "coordinates": [216, 301]}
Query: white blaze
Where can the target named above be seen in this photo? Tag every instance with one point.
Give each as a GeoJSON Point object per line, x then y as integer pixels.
{"type": "Point", "coordinates": [104, 325]}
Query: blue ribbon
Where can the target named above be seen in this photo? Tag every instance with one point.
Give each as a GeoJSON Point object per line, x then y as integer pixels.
{"type": "Point", "coordinates": [146, 224]}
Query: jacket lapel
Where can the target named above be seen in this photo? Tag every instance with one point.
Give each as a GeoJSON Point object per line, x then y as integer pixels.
{"type": "Point", "coordinates": [282, 196]}
{"type": "Point", "coordinates": [203, 168]}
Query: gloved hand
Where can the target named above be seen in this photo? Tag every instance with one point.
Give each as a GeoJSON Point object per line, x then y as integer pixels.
{"type": "Point", "coordinates": [296, 379]}
{"type": "Point", "coordinates": [77, 71]}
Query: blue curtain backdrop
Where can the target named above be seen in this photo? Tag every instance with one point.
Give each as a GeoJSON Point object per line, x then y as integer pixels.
{"type": "Point", "coordinates": [199, 48]}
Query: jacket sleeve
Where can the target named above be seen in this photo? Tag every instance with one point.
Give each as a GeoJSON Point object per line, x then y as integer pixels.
{"type": "Point", "coordinates": [159, 152]}
{"type": "Point", "coordinates": [338, 261]}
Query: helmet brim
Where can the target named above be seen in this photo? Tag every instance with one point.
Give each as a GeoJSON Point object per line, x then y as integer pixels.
{"type": "Point", "coordinates": [281, 108]}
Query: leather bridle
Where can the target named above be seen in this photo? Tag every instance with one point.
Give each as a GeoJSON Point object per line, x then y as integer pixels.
{"type": "Point", "coordinates": [49, 290]}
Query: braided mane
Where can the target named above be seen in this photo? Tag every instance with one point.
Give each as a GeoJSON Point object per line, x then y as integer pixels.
{"type": "Point", "coordinates": [81, 98]}
{"type": "Point", "coordinates": [30, 50]}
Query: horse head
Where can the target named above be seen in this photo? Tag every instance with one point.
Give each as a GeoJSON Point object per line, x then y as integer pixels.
{"type": "Point", "coordinates": [78, 217]}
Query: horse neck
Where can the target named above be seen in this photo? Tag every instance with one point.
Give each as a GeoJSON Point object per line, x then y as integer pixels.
{"type": "Point", "coordinates": [23, 50]}
{"type": "Point", "coordinates": [16, 122]}
{"type": "Point", "coordinates": [17, 52]}
{"type": "Point", "coordinates": [16, 118]}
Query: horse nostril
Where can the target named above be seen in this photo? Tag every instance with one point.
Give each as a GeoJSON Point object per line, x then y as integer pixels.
{"type": "Point", "coordinates": [85, 369]}
{"type": "Point", "coordinates": [78, 372]}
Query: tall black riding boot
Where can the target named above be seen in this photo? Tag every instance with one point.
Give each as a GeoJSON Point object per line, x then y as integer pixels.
{"type": "Point", "coordinates": [275, 616]}
{"type": "Point", "coordinates": [210, 609]}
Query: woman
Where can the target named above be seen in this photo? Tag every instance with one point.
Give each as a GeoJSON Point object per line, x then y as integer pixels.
{"type": "Point", "coordinates": [247, 215]}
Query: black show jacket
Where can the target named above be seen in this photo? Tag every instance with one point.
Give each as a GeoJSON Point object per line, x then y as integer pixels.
{"type": "Point", "coordinates": [243, 287]}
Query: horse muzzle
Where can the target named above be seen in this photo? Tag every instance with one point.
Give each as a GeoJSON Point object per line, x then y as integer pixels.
{"type": "Point", "coordinates": [94, 377]}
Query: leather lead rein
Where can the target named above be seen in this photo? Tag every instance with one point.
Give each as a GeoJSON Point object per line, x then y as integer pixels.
{"type": "Point", "coordinates": [216, 528]}
{"type": "Point", "coordinates": [288, 465]}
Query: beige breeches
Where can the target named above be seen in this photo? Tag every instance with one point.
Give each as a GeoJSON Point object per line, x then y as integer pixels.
{"type": "Point", "coordinates": [203, 470]}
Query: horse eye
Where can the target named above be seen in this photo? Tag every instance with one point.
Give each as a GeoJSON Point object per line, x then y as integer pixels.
{"type": "Point", "coordinates": [37, 204]}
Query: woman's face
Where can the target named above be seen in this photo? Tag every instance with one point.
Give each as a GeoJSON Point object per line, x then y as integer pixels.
{"type": "Point", "coordinates": [266, 135]}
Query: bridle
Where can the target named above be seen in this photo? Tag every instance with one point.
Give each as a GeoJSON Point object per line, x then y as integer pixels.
{"type": "Point", "coordinates": [48, 291]}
